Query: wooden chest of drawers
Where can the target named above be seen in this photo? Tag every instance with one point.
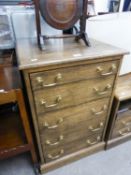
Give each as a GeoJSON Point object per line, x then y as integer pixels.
{"type": "Point", "coordinates": [70, 89]}
{"type": "Point", "coordinates": [119, 129]}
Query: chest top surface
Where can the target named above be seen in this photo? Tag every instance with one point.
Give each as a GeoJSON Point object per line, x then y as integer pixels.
{"type": "Point", "coordinates": [61, 51]}
{"type": "Point", "coordinates": [123, 90]}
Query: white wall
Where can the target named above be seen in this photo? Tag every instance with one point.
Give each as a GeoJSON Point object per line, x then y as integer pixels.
{"type": "Point", "coordinates": [101, 5]}
{"type": "Point", "coordinates": [114, 29]}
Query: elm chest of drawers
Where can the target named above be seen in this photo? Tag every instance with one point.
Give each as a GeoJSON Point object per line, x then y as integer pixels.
{"type": "Point", "coordinates": [70, 89]}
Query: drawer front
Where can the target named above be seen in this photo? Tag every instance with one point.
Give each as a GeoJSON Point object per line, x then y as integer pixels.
{"type": "Point", "coordinates": [63, 150]}
{"type": "Point", "coordinates": [68, 118]}
{"type": "Point", "coordinates": [7, 97]}
{"type": "Point", "coordinates": [122, 125]}
{"type": "Point", "coordinates": [58, 137]}
{"type": "Point", "coordinates": [72, 94]}
{"type": "Point", "coordinates": [60, 76]}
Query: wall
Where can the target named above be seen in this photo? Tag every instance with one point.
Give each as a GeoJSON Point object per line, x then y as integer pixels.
{"type": "Point", "coordinates": [113, 29]}
{"type": "Point", "coordinates": [101, 5]}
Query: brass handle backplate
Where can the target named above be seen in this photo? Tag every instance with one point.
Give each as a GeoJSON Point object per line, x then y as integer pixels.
{"type": "Point", "coordinates": [95, 142]}
{"type": "Point", "coordinates": [53, 126]}
{"type": "Point", "coordinates": [57, 101]}
{"type": "Point", "coordinates": [99, 112]}
{"type": "Point", "coordinates": [57, 79]}
{"type": "Point", "coordinates": [48, 142]}
{"type": "Point", "coordinates": [105, 91]}
{"type": "Point", "coordinates": [52, 157]}
{"type": "Point", "coordinates": [96, 129]}
{"type": "Point", "coordinates": [112, 70]}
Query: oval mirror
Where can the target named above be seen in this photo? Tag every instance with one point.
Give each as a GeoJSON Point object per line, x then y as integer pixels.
{"type": "Point", "coordinates": [61, 14]}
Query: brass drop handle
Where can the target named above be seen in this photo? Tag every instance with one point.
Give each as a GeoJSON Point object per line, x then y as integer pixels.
{"type": "Point", "coordinates": [105, 91]}
{"type": "Point", "coordinates": [57, 156]}
{"type": "Point", "coordinates": [57, 79]}
{"type": "Point", "coordinates": [96, 129]}
{"type": "Point", "coordinates": [100, 112]}
{"type": "Point", "coordinates": [124, 133]}
{"type": "Point", "coordinates": [93, 143]}
{"type": "Point", "coordinates": [112, 70]}
{"type": "Point", "coordinates": [48, 142]}
{"type": "Point", "coordinates": [53, 126]}
{"type": "Point", "coordinates": [57, 101]}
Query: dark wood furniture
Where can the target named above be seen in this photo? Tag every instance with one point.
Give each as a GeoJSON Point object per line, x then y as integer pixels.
{"type": "Point", "coordinates": [15, 132]}
{"type": "Point", "coordinates": [70, 89]}
{"type": "Point", "coordinates": [6, 57]}
{"type": "Point", "coordinates": [62, 15]}
{"type": "Point", "coordinates": [119, 129]}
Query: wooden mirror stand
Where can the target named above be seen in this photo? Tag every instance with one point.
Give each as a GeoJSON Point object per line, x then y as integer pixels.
{"type": "Point", "coordinates": [80, 33]}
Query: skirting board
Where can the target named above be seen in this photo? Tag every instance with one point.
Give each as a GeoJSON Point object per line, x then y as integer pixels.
{"type": "Point", "coordinates": [117, 141]}
{"type": "Point", "coordinates": [44, 168]}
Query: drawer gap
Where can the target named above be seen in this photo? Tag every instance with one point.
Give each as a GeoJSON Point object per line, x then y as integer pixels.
{"type": "Point", "coordinates": [124, 106]}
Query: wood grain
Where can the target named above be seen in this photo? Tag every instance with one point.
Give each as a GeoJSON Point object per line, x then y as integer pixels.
{"type": "Point", "coordinates": [61, 14]}
{"type": "Point", "coordinates": [116, 141]}
{"type": "Point", "coordinates": [72, 157]}
{"type": "Point", "coordinates": [123, 90]}
{"type": "Point", "coordinates": [13, 142]}
{"type": "Point", "coordinates": [71, 74]}
{"type": "Point", "coordinates": [72, 116]}
{"type": "Point", "coordinates": [119, 127]}
{"type": "Point", "coordinates": [122, 124]}
{"type": "Point", "coordinates": [6, 97]}
{"type": "Point", "coordinates": [77, 65]}
{"type": "Point", "coordinates": [72, 134]}
{"type": "Point", "coordinates": [58, 52]}
{"type": "Point", "coordinates": [72, 94]}
{"type": "Point", "coordinates": [72, 146]}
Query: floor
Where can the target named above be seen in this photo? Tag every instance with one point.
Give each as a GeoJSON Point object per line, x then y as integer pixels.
{"type": "Point", "coordinates": [116, 161]}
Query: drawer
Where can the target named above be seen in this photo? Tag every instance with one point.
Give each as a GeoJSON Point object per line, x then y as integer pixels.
{"type": "Point", "coordinates": [65, 75]}
{"type": "Point", "coordinates": [68, 118]}
{"type": "Point", "coordinates": [72, 94]}
{"type": "Point", "coordinates": [60, 151]}
{"type": "Point", "coordinates": [7, 97]}
{"type": "Point", "coordinates": [122, 125]}
{"type": "Point", "coordinates": [58, 137]}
